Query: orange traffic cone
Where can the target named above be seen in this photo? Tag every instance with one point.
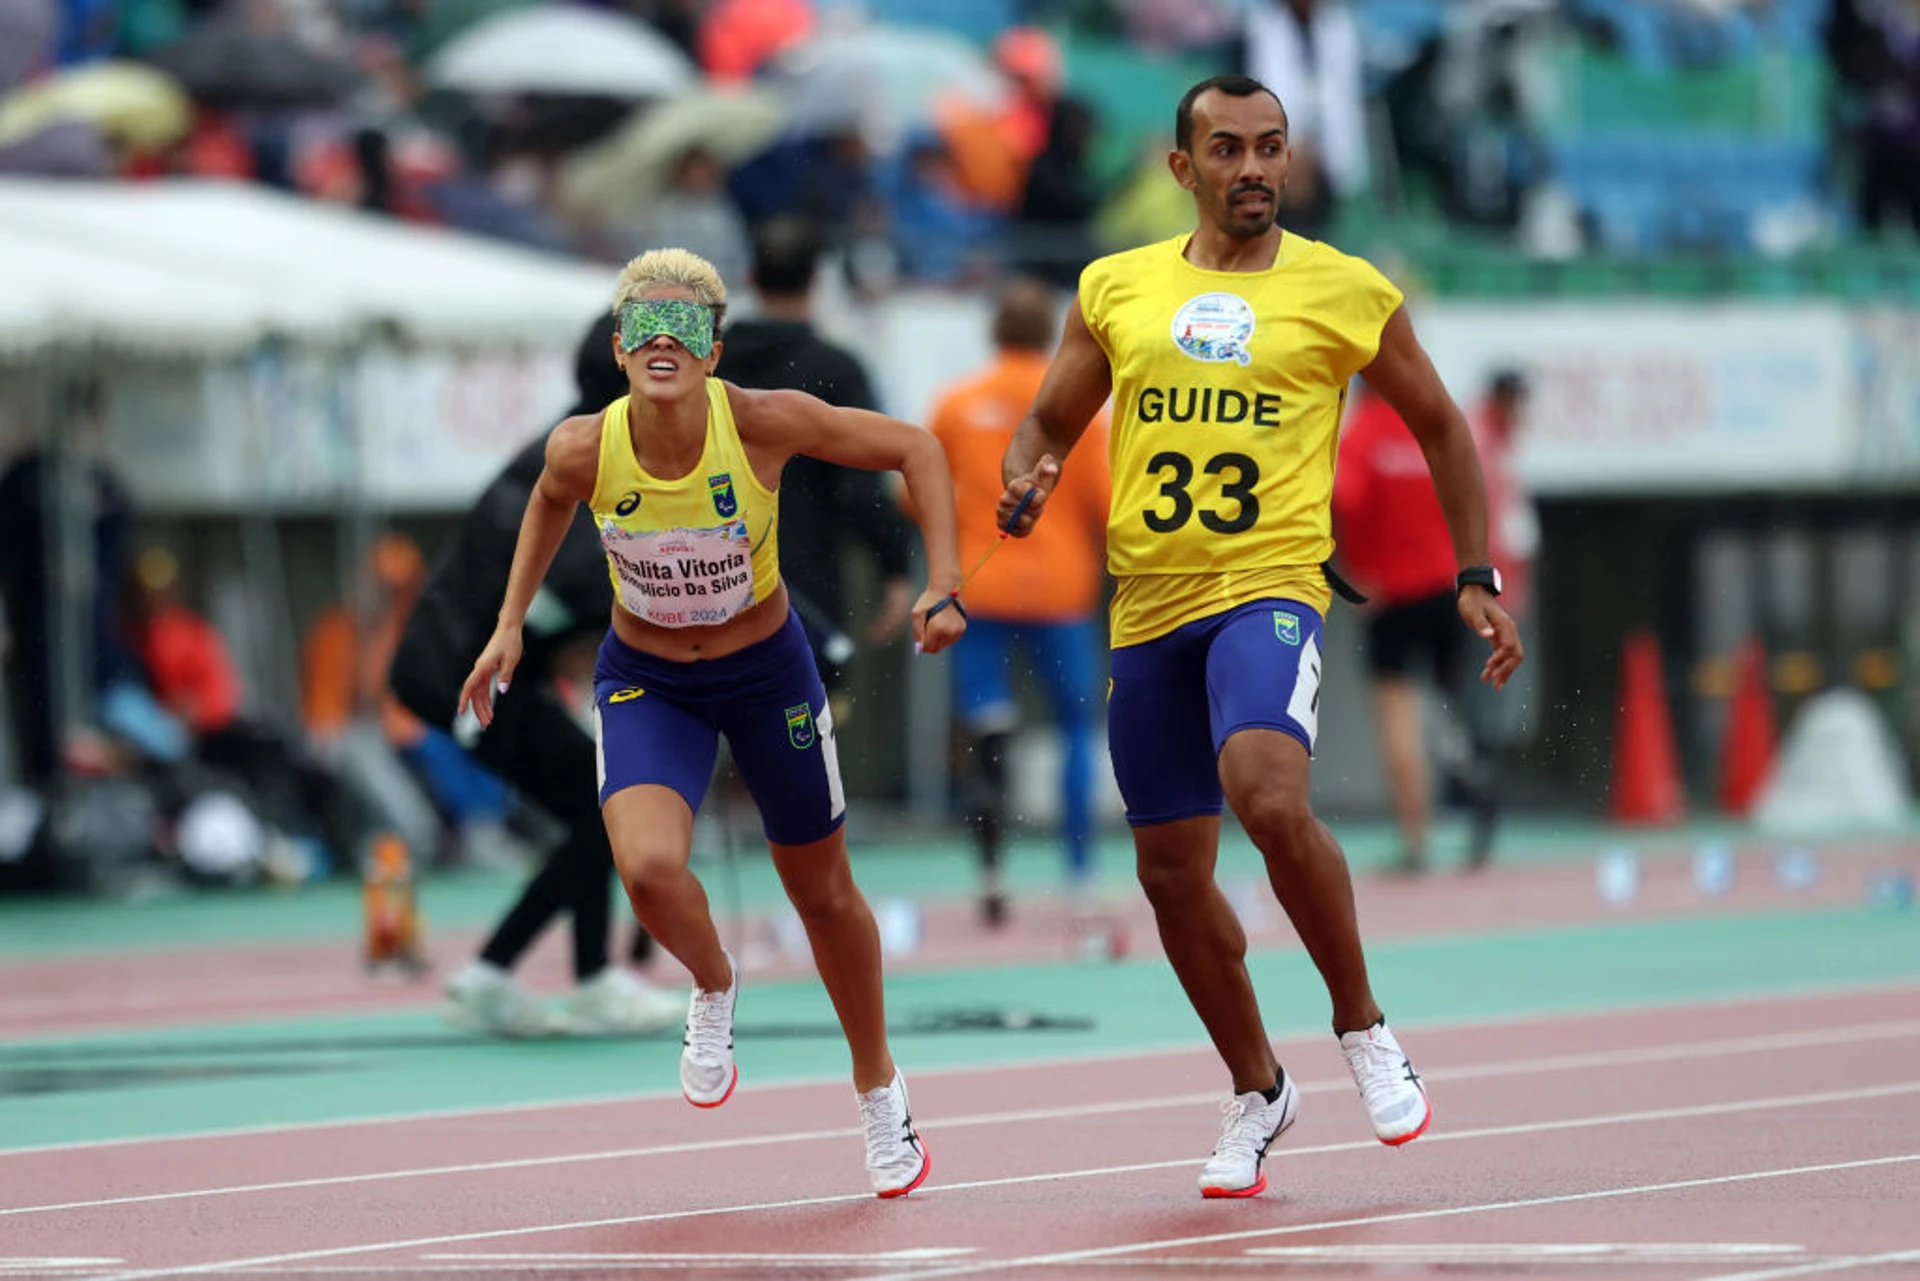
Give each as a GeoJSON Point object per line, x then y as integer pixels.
{"type": "Point", "coordinates": [1646, 768]}
{"type": "Point", "coordinates": [1746, 758]}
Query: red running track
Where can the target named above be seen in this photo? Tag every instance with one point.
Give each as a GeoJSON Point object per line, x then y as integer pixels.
{"type": "Point", "coordinates": [155, 987]}
{"type": "Point", "coordinates": [1756, 1140]}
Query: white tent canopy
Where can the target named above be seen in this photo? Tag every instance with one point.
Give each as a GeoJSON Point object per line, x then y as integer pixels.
{"type": "Point", "coordinates": [58, 293]}
{"type": "Point", "coordinates": [283, 264]}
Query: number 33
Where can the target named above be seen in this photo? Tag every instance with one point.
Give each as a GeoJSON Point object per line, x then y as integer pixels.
{"type": "Point", "coordinates": [1239, 491]}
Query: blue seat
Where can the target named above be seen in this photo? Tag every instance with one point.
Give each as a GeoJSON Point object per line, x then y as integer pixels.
{"type": "Point", "coordinates": [977, 19]}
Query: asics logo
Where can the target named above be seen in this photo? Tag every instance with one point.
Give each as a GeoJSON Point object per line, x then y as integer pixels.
{"type": "Point", "coordinates": [629, 504]}
{"type": "Point", "coordinates": [624, 695]}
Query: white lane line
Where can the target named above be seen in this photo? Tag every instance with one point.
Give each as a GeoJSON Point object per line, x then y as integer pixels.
{"type": "Point", "coordinates": [1510, 1253]}
{"type": "Point", "coordinates": [1768, 1044]}
{"type": "Point", "coordinates": [916, 1255]}
{"type": "Point", "coordinates": [55, 1266]}
{"type": "Point", "coordinates": [1065, 1257]}
{"type": "Point", "coordinates": [279, 987]}
{"type": "Point", "coordinates": [1809, 993]}
{"type": "Point", "coordinates": [1828, 1265]}
{"type": "Point", "coordinates": [1499, 1131]}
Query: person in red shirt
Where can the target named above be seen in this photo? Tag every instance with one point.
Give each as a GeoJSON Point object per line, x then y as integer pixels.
{"type": "Point", "coordinates": [1394, 545]}
{"type": "Point", "coordinates": [1039, 595]}
{"type": "Point", "coordinates": [188, 663]}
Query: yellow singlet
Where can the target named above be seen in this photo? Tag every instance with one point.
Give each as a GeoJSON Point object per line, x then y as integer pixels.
{"type": "Point", "coordinates": [1227, 391]}
{"type": "Point", "coordinates": [691, 552]}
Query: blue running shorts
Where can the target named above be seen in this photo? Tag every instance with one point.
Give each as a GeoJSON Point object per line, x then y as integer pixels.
{"type": "Point", "coordinates": [660, 721]}
{"type": "Point", "coordinates": [1175, 701]}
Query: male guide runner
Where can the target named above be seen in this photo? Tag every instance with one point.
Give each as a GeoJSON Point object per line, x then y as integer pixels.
{"type": "Point", "coordinates": [1227, 353]}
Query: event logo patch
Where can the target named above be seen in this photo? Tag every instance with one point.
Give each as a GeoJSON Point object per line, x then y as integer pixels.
{"type": "Point", "coordinates": [721, 487]}
{"type": "Point", "coordinates": [800, 727]}
{"type": "Point", "coordinates": [1215, 328]}
{"type": "Point", "coordinates": [1286, 627]}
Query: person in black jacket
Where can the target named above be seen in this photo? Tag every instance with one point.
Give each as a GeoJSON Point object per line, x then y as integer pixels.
{"type": "Point", "coordinates": [822, 507]}
{"type": "Point", "coordinates": [534, 742]}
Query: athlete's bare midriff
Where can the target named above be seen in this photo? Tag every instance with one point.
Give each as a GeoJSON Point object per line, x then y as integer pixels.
{"type": "Point", "coordinates": [691, 644]}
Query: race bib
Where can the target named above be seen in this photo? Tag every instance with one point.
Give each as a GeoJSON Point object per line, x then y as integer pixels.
{"type": "Point", "coordinates": [682, 577]}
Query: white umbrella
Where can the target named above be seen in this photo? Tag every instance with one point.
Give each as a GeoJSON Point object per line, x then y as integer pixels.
{"type": "Point", "coordinates": [884, 80]}
{"type": "Point", "coordinates": [630, 169]}
{"type": "Point", "coordinates": [562, 49]}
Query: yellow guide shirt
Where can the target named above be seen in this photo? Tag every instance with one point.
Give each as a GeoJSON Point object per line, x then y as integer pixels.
{"type": "Point", "coordinates": [695, 551]}
{"type": "Point", "coordinates": [1227, 392]}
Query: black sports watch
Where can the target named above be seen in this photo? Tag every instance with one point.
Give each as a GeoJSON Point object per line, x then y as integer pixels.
{"type": "Point", "coordinates": [1477, 576]}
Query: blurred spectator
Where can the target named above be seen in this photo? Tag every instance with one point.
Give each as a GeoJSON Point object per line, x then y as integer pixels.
{"type": "Point", "coordinates": [191, 672]}
{"type": "Point", "coordinates": [987, 169]}
{"type": "Point", "coordinates": [939, 236]}
{"type": "Point", "coordinates": [1180, 24]}
{"type": "Point", "coordinates": [1030, 59]}
{"type": "Point", "coordinates": [353, 717]}
{"type": "Point", "coordinates": [26, 582]}
{"type": "Point", "coordinates": [1051, 234]}
{"type": "Point", "coordinates": [1394, 544]}
{"type": "Point", "coordinates": [695, 213]}
{"type": "Point", "coordinates": [738, 37]}
{"type": "Point", "coordinates": [823, 508]}
{"type": "Point", "coordinates": [827, 181]}
{"type": "Point", "coordinates": [1039, 596]}
{"type": "Point", "coordinates": [1309, 52]}
{"type": "Point", "coordinates": [993, 147]}
{"type": "Point", "coordinates": [217, 148]}
{"type": "Point", "coordinates": [188, 664]}
{"type": "Point", "coordinates": [375, 162]}
{"type": "Point", "coordinates": [1496, 156]}
{"type": "Point", "coordinates": [1148, 205]}
{"type": "Point", "coordinates": [1875, 47]}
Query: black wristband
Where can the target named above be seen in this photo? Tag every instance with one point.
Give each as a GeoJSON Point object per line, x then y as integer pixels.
{"type": "Point", "coordinates": [1477, 576]}
{"type": "Point", "coordinates": [952, 599]}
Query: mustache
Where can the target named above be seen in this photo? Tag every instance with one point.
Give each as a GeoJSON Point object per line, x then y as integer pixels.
{"type": "Point", "coordinates": [1252, 189]}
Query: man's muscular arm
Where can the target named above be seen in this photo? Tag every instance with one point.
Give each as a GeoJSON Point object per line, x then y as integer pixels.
{"type": "Point", "coordinates": [1078, 382]}
{"type": "Point", "coordinates": [1405, 378]}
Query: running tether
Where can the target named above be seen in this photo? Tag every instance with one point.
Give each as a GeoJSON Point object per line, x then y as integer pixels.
{"type": "Point", "coordinates": [1013, 521]}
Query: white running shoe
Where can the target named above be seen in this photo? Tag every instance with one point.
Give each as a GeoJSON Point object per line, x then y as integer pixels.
{"type": "Point", "coordinates": [1249, 1126]}
{"type": "Point", "coordinates": [707, 1070]}
{"type": "Point", "coordinates": [897, 1160]}
{"type": "Point", "coordinates": [616, 1002]}
{"type": "Point", "coordinates": [483, 998]}
{"type": "Point", "coordinates": [1395, 1096]}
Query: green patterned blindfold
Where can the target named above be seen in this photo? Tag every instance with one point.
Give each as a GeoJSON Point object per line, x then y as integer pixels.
{"type": "Point", "coordinates": [688, 323]}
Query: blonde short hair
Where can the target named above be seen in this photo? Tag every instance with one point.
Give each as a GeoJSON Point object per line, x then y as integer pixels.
{"type": "Point", "coordinates": [680, 267]}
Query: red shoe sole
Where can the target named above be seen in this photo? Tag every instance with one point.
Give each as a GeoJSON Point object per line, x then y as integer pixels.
{"type": "Point", "coordinates": [1223, 1194]}
{"type": "Point", "coordinates": [926, 1165]}
{"type": "Point", "coordinates": [729, 1094]}
{"type": "Point", "coordinates": [1425, 1121]}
